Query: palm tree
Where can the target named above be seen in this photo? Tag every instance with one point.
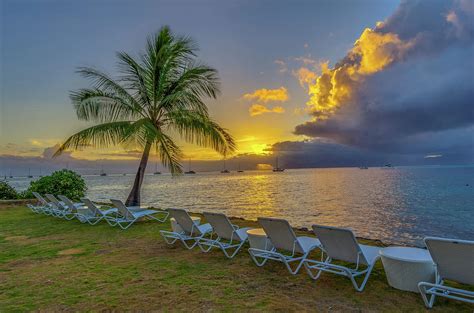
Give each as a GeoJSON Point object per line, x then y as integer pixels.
{"type": "Point", "coordinates": [155, 96]}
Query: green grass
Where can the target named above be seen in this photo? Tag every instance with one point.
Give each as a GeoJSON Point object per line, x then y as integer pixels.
{"type": "Point", "coordinates": [50, 264]}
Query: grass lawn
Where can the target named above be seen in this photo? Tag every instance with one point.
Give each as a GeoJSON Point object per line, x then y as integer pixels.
{"type": "Point", "coordinates": [51, 264]}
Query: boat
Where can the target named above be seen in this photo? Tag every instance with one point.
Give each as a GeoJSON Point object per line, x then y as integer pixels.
{"type": "Point", "coordinates": [225, 171]}
{"type": "Point", "coordinates": [276, 168]}
{"type": "Point", "coordinates": [363, 167]}
{"type": "Point", "coordinates": [29, 174]}
{"type": "Point", "coordinates": [102, 173]}
{"type": "Point", "coordinates": [239, 170]}
{"type": "Point", "coordinates": [189, 171]}
{"type": "Point", "coordinates": [156, 172]}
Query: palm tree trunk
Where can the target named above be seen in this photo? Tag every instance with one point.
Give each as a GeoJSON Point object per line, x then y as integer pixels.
{"type": "Point", "coordinates": [134, 196]}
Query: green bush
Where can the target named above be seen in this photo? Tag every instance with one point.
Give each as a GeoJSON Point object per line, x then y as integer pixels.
{"type": "Point", "coordinates": [63, 182]}
{"type": "Point", "coordinates": [7, 192]}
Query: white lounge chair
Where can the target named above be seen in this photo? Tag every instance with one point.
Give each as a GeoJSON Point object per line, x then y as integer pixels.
{"type": "Point", "coordinates": [126, 216]}
{"type": "Point", "coordinates": [341, 244]}
{"type": "Point", "coordinates": [69, 205]}
{"type": "Point", "coordinates": [93, 214]}
{"type": "Point", "coordinates": [284, 240]}
{"type": "Point", "coordinates": [454, 260]}
{"type": "Point", "coordinates": [229, 237]}
{"type": "Point", "coordinates": [43, 206]}
{"type": "Point", "coordinates": [191, 231]}
{"type": "Point", "coordinates": [60, 209]}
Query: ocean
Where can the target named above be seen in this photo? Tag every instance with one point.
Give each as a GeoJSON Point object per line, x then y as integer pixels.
{"type": "Point", "coordinates": [396, 205]}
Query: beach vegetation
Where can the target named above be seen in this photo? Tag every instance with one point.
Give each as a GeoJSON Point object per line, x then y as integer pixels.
{"type": "Point", "coordinates": [63, 182]}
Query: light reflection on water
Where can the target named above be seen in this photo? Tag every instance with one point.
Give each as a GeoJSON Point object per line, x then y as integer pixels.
{"type": "Point", "coordinates": [400, 205]}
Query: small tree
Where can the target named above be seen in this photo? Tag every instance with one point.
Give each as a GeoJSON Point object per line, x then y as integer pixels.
{"type": "Point", "coordinates": [63, 182]}
{"type": "Point", "coordinates": [7, 192]}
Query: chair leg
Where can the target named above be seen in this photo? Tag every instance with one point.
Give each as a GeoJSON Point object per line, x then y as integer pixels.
{"type": "Point", "coordinates": [254, 258]}
{"type": "Point", "coordinates": [235, 251]}
{"type": "Point", "coordinates": [429, 301]}
{"type": "Point", "coordinates": [300, 263]}
{"type": "Point", "coordinates": [310, 272]}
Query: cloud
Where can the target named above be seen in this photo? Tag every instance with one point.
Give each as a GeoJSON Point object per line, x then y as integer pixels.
{"type": "Point", "coordinates": [283, 67]}
{"type": "Point", "coordinates": [307, 61]}
{"type": "Point", "coordinates": [263, 96]}
{"type": "Point", "coordinates": [306, 77]}
{"type": "Point", "coordinates": [258, 109]}
{"type": "Point", "coordinates": [266, 95]}
{"type": "Point", "coordinates": [406, 85]}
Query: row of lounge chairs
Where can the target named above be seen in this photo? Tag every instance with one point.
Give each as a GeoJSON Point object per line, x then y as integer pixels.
{"type": "Point", "coordinates": [454, 259]}
{"type": "Point", "coordinates": [91, 213]}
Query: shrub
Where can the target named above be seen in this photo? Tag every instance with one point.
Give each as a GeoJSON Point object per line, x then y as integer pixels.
{"type": "Point", "coordinates": [7, 192]}
{"type": "Point", "coordinates": [63, 182]}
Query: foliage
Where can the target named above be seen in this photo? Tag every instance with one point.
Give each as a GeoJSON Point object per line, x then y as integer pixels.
{"type": "Point", "coordinates": [7, 192]}
{"type": "Point", "coordinates": [63, 182]}
{"type": "Point", "coordinates": [156, 95]}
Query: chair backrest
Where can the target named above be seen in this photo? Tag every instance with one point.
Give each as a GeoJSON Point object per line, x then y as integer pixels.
{"type": "Point", "coordinates": [91, 206]}
{"type": "Point", "coordinates": [68, 203]}
{"type": "Point", "coordinates": [454, 258]}
{"type": "Point", "coordinates": [122, 209]}
{"type": "Point", "coordinates": [54, 201]}
{"type": "Point", "coordinates": [183, 219]}
{"type": "Point", "coordinates": [281, 234]}
{"type": "Point", "coordinates": [40, 198]}
{"type": "Point", "coordinates": [340, 244]}
{"type": "Point", "coordinates": [221, 225]}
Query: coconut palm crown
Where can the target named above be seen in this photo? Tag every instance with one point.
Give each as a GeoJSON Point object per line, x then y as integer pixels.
{"type": "Point", "coordinates": [156, 96]}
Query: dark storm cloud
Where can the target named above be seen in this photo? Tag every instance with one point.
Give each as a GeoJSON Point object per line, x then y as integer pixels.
{"type": "Point", "coordinates": [424, 99]}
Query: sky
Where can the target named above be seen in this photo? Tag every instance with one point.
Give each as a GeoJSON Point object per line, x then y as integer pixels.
{"type": "Point", "coordinates": [317, 83]}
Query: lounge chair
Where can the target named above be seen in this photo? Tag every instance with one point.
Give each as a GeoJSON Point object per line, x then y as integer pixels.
{"type": "Point", "coordinates": [284, 240]}
{"type": "Point", "coordinates": [126, 216]}
{"type": "Point", "coordinates": [43, 206]}
{"type": "Point", "coordinates": [60, 209]}
{"type": "Point", "coordinates": [454, 260]}
{"type": "Point", "coordinates": [191, 231]}
{"type": "Point", "coordinates": [93, 214]}
{"type": "Point", "coordinates": [229, 237]}
{"type": "Point", "coordinates": [76, 208]}
{"type": "Point", "coordinates": [341, 244]}
{"type": "Point", "coordinates": [40, 206]}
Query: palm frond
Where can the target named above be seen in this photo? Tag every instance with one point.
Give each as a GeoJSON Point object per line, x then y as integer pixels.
{"type": "Point", "coordinates": [101, 106]}
{"type": "Point", "coordinates": [169, 153]}
{"type": "Point", "coordinates": [186, 92]}
{"type": "Point", "coordinates": [100, 136]}
{"type": "Point", "coordinates": [200, 129]}
{"type": "Point", "coordinates": [133, 76]}
{"type": "Point", "coordinates": [103, 82]}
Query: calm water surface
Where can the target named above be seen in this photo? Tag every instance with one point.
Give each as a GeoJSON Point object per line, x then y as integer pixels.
{"type": "Point", "coordinates": [400, 205]}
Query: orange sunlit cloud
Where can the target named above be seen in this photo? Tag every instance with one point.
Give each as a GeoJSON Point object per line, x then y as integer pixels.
{"type": "Point", "coordinates": [371, 53]}
{"type": "Point", "coordinates": [266, 95]}
{"type": "Point", "coordinates": [258, 109]}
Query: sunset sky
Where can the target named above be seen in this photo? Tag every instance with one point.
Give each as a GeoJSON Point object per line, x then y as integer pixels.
{"type": "Point", "coordinates": [321, 83]}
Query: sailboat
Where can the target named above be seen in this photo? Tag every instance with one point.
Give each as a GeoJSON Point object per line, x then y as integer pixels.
{"type": "Point", "coordinates": [189, 169]}
{"type": "Point", "coordinates": [156, 169]}
{"type": "Point", "coordinates": [102, 173]}
{"type": "Point", "coordinates": [239, 170]}
{"type": "Point", "coordinates": [29, 173]}
{"type": "Point", "coordinates": [276, 168]}
{"type": "Point", "coordinates": [225, 170]}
